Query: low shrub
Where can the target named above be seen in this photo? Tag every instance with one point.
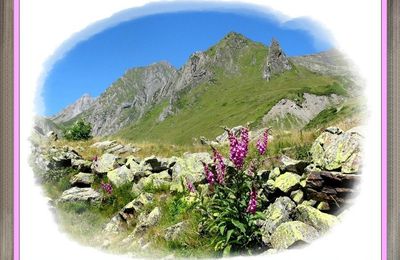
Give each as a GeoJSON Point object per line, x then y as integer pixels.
{"type": "Point", "coordinates": [80, 130]}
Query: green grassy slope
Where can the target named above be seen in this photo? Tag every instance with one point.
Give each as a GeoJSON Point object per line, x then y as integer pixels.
{"type": "Point", "coordinates": [334, 115]}
{"type": "Point", "coordinates": [230, 100]}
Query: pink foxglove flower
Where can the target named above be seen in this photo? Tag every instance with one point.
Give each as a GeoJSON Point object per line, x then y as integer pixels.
{"type": "Point", "coordinates": [106, 187]}
{"type": "Point", "coordinates": [219, 166]}
{"type": "Point", "coordinates": [209, 174]}
{"type": "Point", "coordinates": [190, 186]}
{"type": "Point", "coordinates": [238, 148]}
{"type": "Point", "coordinates": [252, 206]}
{"type": "Point", "coordinates": [262, 143]}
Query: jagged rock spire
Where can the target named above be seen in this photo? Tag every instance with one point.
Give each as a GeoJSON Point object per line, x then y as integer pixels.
{"type": "Point", "coordinates": [277, 62]}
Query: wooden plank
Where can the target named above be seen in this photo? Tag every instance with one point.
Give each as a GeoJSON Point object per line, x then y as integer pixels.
{"type": "Point", "coordinates": [6, 130]}
{"type": "Point", "coordinates": [393, 130]}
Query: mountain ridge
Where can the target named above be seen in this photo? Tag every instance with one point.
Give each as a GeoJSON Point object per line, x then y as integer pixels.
{"type": "Point", "coordinates": [164, 90]}
{"type": "Point", "coordinates": [71, 111]}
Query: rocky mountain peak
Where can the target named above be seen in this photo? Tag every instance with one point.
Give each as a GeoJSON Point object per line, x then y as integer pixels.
{"type": "Point", "coordinates": [277, 61]}
{"type": "Point", "coordinates": [129, 97]}
{"type": "Point", "coordinates": [79, 106]}
{"type": "Point", "coordinates": [235, 40]}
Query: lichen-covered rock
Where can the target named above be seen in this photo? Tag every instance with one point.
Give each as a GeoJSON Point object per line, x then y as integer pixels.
{"type": "Point", "coordinates": [120, 176]}
{"type": "Point", "coordinates": [276, 214]}
{"type": "Point", "coordinates": [270, 186]}
{"type": "Point", "coordinates": [297, 196]}
{"type": "Point", "coordinates": [104, 144]}
{"type": "Point", "coordinates": [155, 164]}
{"type": "Point", "coordinates": [81, 165]}
{"type": "Point", "coordinates": [137, 204]}
{"type": "Point", "coordinates": [82, 179]}
{"type": "Point", "coordinates": [146, 222]}
{"type": "Point", "coordinates": [80, 194]}
{"type": "Point", "coordinates": [311, 168]}
{"type": "Point", "coordinates": [56, 158]}
{"type": "Point", "coordinates": [52, 136]}
{"type": "Point", "coordinates": [138, 168]}
{"type": "Point", "coordinates": [287, 182]}
{"type": "Point", "coordinates": [335, 149]}
{"type": "Point", "coordinates": [310, 203]}
{"type": "Point", "coordinates": [107, 162]}
{"type": "Point", "coordinates": [292, 165]}
{"type": "Point", "coordinates": [174, 232]}
{"type": "Point", "coordinates": [188, 167]}
{"type": "Point", "coordinates": [335, 188]}
{"type": "Point", "coordinates": [323, 206]}
{"type": "Point", "coordinates": [115, 148]}
{"type": "Point", "coordinates": [289, 233]}
{"type": "Point", "coordinates": [123, 219]}
{"type": "Point", "coordinates": [274, 173]}
{"type": "Point", "coordinates": [132, 162]}
{"type": "Point", "coordinates": [312, 216]}
{"type": "Point", "coordinates": [117, 224]}
{"type": "Point", "coordinates": [154, 181]}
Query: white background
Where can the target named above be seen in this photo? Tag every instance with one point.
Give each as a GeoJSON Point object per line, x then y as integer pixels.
{"type": "Point", "coordinates": [355, 24]}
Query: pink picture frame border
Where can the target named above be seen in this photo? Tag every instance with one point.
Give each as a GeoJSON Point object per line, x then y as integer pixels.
{"type": "Point", "coordinates": [384, 124]}
{"type": "Point", "coordinates": [16, 163]}
{"type": "Point", "coordinates": [16, 131]}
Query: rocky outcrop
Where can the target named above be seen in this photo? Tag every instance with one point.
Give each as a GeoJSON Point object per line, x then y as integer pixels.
{"type": "Point", "coordinates": [127, 99]}
{"type": "Point", "coordinates": [159, 181]}
{"type": "Point", "coordinates": [174, 232]}
{"type": "Point", "coordinates": [106, 163]}
{"type": "Point", "coordinates": [80, 194]}
{"type": "Point", "coordinates": [277, 61]}
{"type": "Point", "coordinates": [114, 147]}
{"type": "Point", "coordinates": [338, 150]}
{"type": "Point", "coordinates": [330, 62]}
{"type": "Point", "coordinates": [190, 168]}
{"type": "Point", "coordinates": [145, 222]}
{"type": "Point", "coordinates": [293, 232]}
{"type": "Point", "coordinates": [299, 114]}
{"type": "Point", "coordinates": [290, 165]}
{"type": "Point", "coordinates": [312, 216]}
{"type": "Point", "coordinates": [277, 213]}
{"type": "Point", "coordinates": [125, 217]}
{"type": "Point", "coordinates": [287, 182]}
{"type": "Point", "coordinates": [81, 165]}
{"type": "Point", "coordinates": [79, 106]}
{"type": "Point", "coordinates": [54, 158]}
{"type": "Point", "coordinates": [120, 176]}
{"type": "Point", "coordinates": [52, 136]}
{"type": "Point", "coordinates": [43, 125]}
{"type": "Point", "coordinates": [333, 188]}
{"type": "Point", "coordinates": [82, 179]}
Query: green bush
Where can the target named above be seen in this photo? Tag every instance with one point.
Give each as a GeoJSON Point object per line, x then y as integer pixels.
{"type": "Point", "coordinates": [80, 130]}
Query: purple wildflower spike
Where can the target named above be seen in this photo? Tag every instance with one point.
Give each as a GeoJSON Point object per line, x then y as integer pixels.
{"type": "Point", "coordinates": [190, 186]}
{"type": "Point", "coordinates": [252, 206]}
{"type": "Point", "coordinates": [239, 149]}
{"type": "Point", "coordinates": [220, 166]}
{"type": "Point", "coordinates": [262, 143]}
{"type": "Point", "coordinates": [209, 174]}
{"type": "Point", "coordinates": [106, 187]}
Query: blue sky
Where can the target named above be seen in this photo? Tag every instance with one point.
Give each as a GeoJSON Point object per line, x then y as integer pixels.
{"type": "Point", "coordinates": [92, 65]}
